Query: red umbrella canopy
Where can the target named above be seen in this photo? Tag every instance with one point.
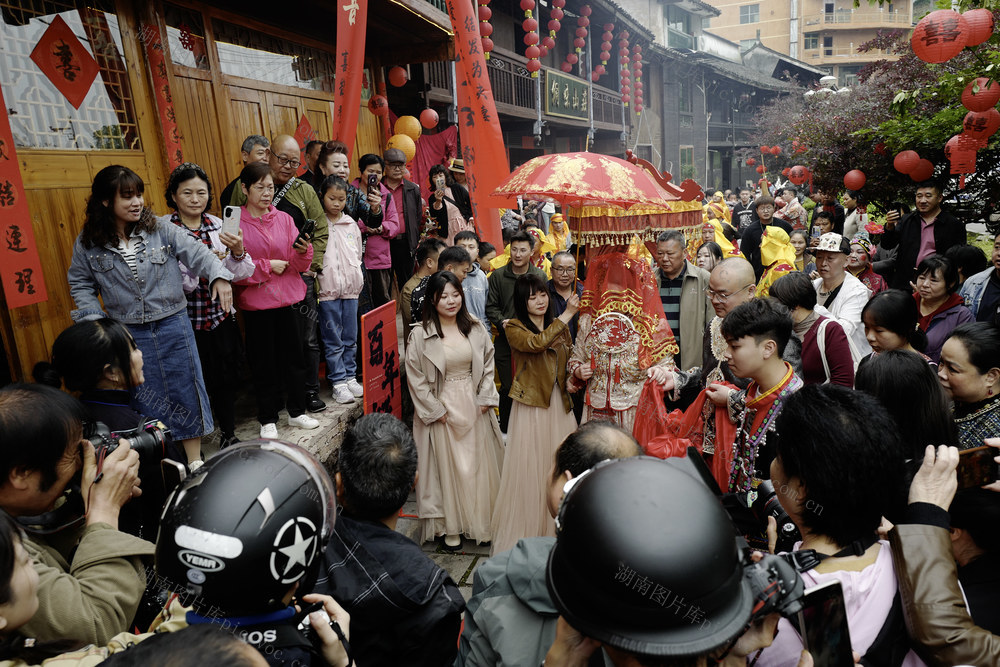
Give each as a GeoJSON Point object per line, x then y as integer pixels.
{"type": "Point", "coordinates": [584, 179]}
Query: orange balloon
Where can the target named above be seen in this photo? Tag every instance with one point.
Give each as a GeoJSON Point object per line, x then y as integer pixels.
{"type": "Point", "coordinates": [403, 143]}
{"type": "Point", "coordinates": [409, 126]}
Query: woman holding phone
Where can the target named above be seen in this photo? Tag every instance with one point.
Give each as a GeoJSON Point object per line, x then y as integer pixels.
{"type": "Point", "coordinates": [378, 260]}
{"type": "Point", "coordinates": [450, 206]}
{"type": "Point", "coordinates": [266, 298]}
{"type": "Point", "coordinates": [216, 333]}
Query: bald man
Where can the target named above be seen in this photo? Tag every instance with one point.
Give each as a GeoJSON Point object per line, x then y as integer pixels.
{"type": "Point", "coordinates": [730, 284]}
{"type": "Point", "coordinates": [298, 199]}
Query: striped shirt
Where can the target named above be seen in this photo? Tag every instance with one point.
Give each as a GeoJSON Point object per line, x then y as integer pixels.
{"type": "Point", "coordinates": [670, 297]}
{"type": "Point", "coordinates": [127, 250]}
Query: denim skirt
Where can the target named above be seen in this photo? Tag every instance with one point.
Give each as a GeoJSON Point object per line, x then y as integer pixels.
{"type": "Point", "coordinates": [174, 391]}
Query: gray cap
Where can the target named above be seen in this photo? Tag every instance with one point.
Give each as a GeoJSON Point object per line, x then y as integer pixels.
{"type": "Point", "coordinates": [392, 155]}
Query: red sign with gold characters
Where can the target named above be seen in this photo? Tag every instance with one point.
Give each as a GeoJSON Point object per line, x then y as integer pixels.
{"type": "Point", "coordinates": [483, 154]}
{"type": "Point", "coordinates": [352, 23]}
{"type": "Point", "coordinates": [380, 360]}
{"type": "Point", "coordinates": [65, 61]}
{"type": "Point", "coordinates": [23, 282]}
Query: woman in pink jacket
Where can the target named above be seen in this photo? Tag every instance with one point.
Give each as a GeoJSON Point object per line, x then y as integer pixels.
{"type": "Point", "coordinates": [378, 262]}
{"type": "Point", "coordinates": [266, 298]}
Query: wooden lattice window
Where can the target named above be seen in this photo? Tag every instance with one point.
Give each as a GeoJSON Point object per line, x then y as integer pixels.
{"type": "Point", "coordinates": [41, 116]}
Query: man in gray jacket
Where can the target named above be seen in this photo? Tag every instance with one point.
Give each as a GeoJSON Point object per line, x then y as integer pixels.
{"type": "Point", "coordinates": [511, 619]}
{"type": "Point", "coordinates": [683, 292]}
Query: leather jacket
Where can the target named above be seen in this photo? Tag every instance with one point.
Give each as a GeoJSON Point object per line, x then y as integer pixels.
{"type": "Point", "coordinates": [540, 360]}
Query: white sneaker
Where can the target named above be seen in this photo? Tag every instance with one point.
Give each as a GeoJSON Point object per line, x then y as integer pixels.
{"type": "Point", "coordinates": [269, 430]}
{"type": "Point", "coordinates": [342, 394]}
{"type": "Point", "coordinates": [355, 388]}
{"type": "Point", "coordinates": [303, 421]}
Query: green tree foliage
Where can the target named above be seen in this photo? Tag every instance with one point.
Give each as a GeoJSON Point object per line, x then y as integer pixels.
{"type": "Point", "coordinates": [896, 105]}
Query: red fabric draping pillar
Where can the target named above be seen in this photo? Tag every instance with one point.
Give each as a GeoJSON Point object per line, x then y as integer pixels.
{"type": "Point", "coordinates": [483, 153]}
{"type": "Point", "coordinates": [432, 149]}
{"type": "Point", "coordinates": [352, 22]}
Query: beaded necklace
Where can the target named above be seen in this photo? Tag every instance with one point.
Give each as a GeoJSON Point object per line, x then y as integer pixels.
{"type": "Point", "coordinates": [746, 446]}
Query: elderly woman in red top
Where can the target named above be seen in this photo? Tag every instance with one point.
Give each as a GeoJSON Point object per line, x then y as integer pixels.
{"type": "Point", "coordinates": [266, 299]}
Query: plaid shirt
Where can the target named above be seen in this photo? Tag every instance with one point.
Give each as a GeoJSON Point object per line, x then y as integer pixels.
{"type": "Point", "coordinates": [204, 312]}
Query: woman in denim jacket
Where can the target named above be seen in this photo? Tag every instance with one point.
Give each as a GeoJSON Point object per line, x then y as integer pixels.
{"type": "Point", "coordinates": [129, 259]}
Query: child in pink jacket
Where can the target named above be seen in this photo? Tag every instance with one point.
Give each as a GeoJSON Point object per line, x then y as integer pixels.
{"type": "Point", "coordinates": [338, 287]}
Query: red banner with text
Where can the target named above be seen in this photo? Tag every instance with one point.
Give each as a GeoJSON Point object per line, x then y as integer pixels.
{"type": "Point", "coordinates": [380, 361]}
{"type": "Point", "coordinates": [352, 22]}
{"type": "Point", "coordinates": [150, 37]}
{"type": "Point", "coordinates": [483, 154]}
{"type": "Point", "coordinates": [23, 282]}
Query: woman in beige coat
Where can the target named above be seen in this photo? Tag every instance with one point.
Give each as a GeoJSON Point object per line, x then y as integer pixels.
{"type": "Point", "coordinates": [449, 368]}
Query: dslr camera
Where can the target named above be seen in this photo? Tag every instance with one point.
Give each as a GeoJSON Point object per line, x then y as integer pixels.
{"type": "Point", "coordinates": [149, 438]}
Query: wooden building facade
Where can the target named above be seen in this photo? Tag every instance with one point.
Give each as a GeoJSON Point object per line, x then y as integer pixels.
{"type": "Point", "coordinates": [233, 70]}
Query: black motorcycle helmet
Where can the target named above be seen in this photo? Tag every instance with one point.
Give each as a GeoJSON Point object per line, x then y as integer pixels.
{"type": "Point", "coordinates": [245, 527]}
{"type": "Point", "coordinates": [646, 560]}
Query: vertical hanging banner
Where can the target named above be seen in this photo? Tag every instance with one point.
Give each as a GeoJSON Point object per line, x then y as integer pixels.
{"type": "Point", "coordinates": [23, 282]}
{"type": "Point", "coordinates": [352, 22]}
{"type": "Point", "coordinates": [380, 361]}
{"type": "Point", "coordinates": [483, 153]}
{"type": "Point", "coordinates": [149, 35]}
{"type": "Point", "coordinates": [304, 133]}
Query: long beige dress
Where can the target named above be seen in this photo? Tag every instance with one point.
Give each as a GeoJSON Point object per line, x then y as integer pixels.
{"type": "Point", "coordinates": [465, 452]}
{"type": "Point", "coordinates": [534, 435]}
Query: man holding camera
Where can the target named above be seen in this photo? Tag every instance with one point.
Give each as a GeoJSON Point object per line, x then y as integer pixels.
{"type": "Point", "coordinates": [90, 574]}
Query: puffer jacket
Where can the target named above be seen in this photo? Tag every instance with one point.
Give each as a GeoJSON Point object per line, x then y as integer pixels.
{"type": "Point", "coordinates": [341, 277]}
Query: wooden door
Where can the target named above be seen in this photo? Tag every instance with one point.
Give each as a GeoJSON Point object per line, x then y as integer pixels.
{"type": "Point", "coordinates": [203, 140]}
{"type": "Point", "coordinates": [284, 111]}
{"type": "Point", "coordinates": [320, 115]}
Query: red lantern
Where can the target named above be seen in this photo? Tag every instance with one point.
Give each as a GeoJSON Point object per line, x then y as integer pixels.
{"type": "Point", "coordinates": [533, 66]}
{"type": "Point", "coordinates": [557, 14]}
{"type": "Point", "coordinates": [586, 10]}
{"type": "Point", "coordinates": [548, 42]}
{"type": "Point", "coordinates": [623, 52]}
{"type": "Point", "coordinates": [637, 48]}
{"type": "Point", "coordinates": [923, 171]}
{"type": "Point", "coordinates": [626, 89]}
{"type": "Point", "coordinates": [485, 13]}
{"type": "Point", "coordinates": [378, 105]}
{"type": "Point", "coordinates": [581, 32]}
{"type": "Point", "coordinates": [559, 4]}
{"type": "Point", "coordinates": [572, 58]}
{"type": "Point", "coordinates": [595, 75]}
{"type": "Point", "coordinates": [906, 161]}
{"type": "Point", "coordinates": [765, 149]}
{"type": "Point", "coordinates": [626, 99]}
{"type": "Point", "coordinates": [786, 171]}
{"type": "Point", "coordinates": [529, 25]}
{"type": "Point", "coordinates": [397, 76]}
{"type": "Point", "coordinates": [605, 57]}
{"type": "Point", "coordinates": [527, 6]}
{"type": "Point", "coordinates": [487, 47]}
{"type": "Point", "coordinates": [554, 26]}
{"type": "Point", "coordinates": [531, 53]}
{"type": "Point", "coordinates": [607, 37]}
{"type": "Point", "coordinates": [980, 24]}
{"type": "Point", "coordinates": [961, 153]}
{"type": "Point", "coordinates": [583, 21]}
{"type": "Point", "coordinates": [625, 34]}
{"type": "Point", "coordinates": [940, 36]}
{"type": "Point", "coordinates": [429, 119]}
{"type": "Point", "coordinates": [608, 27]}
{"type": "Point", "coordinates": [751, 162]}
{"type": "Point", "coordinates": [638, 108]}
{"type": "Point", "coordinates": [542, 51]}
{"type": "Point", "coordinates": [981, 124]}
{"type": "Point", "coordinates": [579, 43]}
{"type": "Point", "coordinates": [798, 175]}
{"type": "Point", "coordinates": [760, 169]}
{"type": "Point", "coordinates": [566, 67]}
{"type": "Point", "coordinates": [880, 148]}
{"type": "Point", "coordinates": [854, 179]}
{"type": "Point", "coordinates": [601, 70]}
{"type": "Point", "coordinates": [485, 29]}
{"type": "Point", "coordinates": [624, 61]}
{"type": "Point", "coordinates": [530, 38]}
{"type": "Point", "coordinates": [775, 150]}
{"type": "Point", "coordinates": [981, 94]}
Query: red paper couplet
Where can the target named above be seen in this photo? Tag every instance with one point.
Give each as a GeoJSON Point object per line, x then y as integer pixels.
{"type": "Point", "coordinates": [23, 282]}
{"type": "Point", "coordinates": [352, 22]}
{"type": "Point", "coordinates": [380, 360]}
{"type": "Point", "coordinates": [483, 152]}
{"type": "Point", "coordinates": [304, 133]}
{"type": "Point", "coordinates": [150, 38]}
{"type": "Point", "coordinates": [65, 61]}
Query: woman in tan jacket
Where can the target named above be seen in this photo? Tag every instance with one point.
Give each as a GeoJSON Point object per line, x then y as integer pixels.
{"type": "Point", "coordinates": [449, 368]}
{"type": "Point", "coordinates": [542, 413]}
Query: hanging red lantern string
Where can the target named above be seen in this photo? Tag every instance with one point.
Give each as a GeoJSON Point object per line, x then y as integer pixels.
{"type": "Point", "coordinates": [637, 73]}
{"type": "Point", "coordinates": [625, 77]}
{"type": "Point", "coordinates": [580, 41]}
{"type": "Point", "coordinates": [530, 27]}
{"type": "Point", "coordinates": [606, 43]}
{"type": "Point", "coordinates": [980, 25]}
{"type": "Point", "coordinates": [485, 27]}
